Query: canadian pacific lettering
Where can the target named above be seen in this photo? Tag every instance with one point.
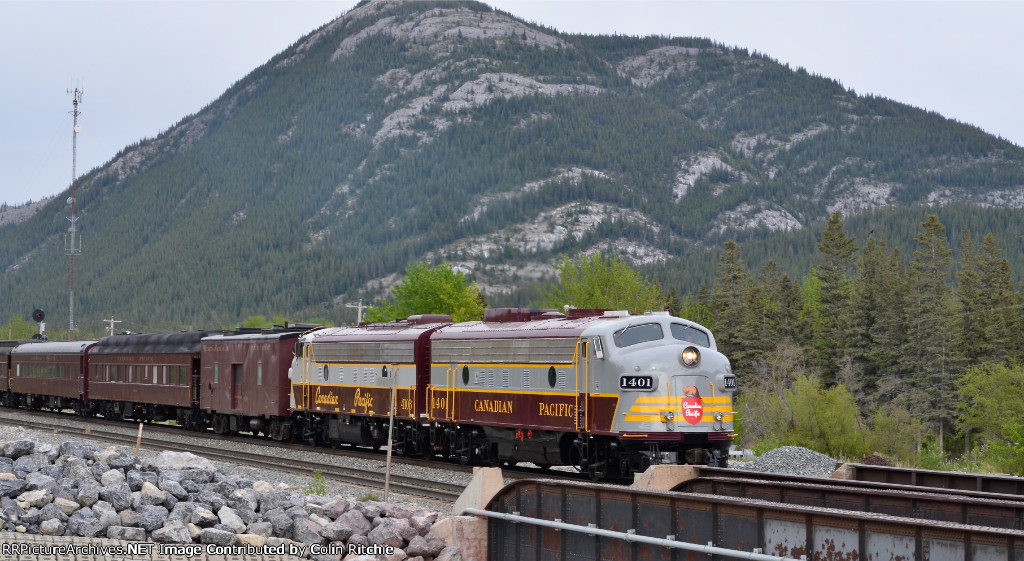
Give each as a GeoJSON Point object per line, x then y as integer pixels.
{"type": "Point", "coordinates": [492, 406]}
{"type": "Point", "coordinates": [557, 409]}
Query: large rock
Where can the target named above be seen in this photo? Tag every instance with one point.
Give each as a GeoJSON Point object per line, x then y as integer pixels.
{"type": "Point", "coordinates": [370, 509]}
{"type": "Point", "coordinates": [169, 459]}
{"type": "Point", "coordinates": [112, 477]}
{"type": "Point", "coordinates": [228, 517]}
{"type": "Point", "coordinates": [152, 517]}
{"type": "Point", "coordinates": [78, 448]}
{"type": "Point", "coordinates": [306, 531]}
{"type": "Point", "coordinates": [135, 479]}
{"type": "Point", "coordinates": [106, 514]}
{"type": "Point", "coordinates": [274, 499]}
{"type": "Point", "coordinates": [30, 463]}
{"type": "Point", "coordinates": [52, 527]}
{"type": "Point", "coordinates": [15, 449]}
{"type": "Point", "coordinates": [37, 498]}
{"type": "Point", "coordinates": [173, 488]}
{"type": "Point", "coordinates": [251, 540]}
{"type": "Point", "coordinates": [425, 546]}
{"type": "Point", "coordinates": [76, 469]}
{"type": "Point", "coordinates": [66, 506]}
{"type": "Point", "coordinates": [105, 455]}
{"type": "Point", "coordinates": [336, 508]}
{"type": "Point", "coordinates": [119, 495]}
{"type": "Point", "coordinates": [122, 461]}
{"type": "Point", "coordinates": [126, 533]}
{"type": "Point", "coordinates": [216, 537]}
{"type": "Point", "coordinates": [355, 520]}
{"type": "Point", "coordinates": [174, 531]}
{"type": "Point", "coordinates": [281, 522]}
{"type": "Point", "coordinates": [248, 497]}
{"type": "Point", "coordinates": [52, 511]}
{"type": "Point", "coordinates": [11, 487]}
{"type": "Point", "coordinates": [129, 518]}
{"type": "Point", "coordinates": [203, 517]}
{"type": "Point", "coordinates": [85, 524]}
{"type": "Point", "coordinates": [151, 495]}
{"type": "Point", "coordinates": [183, 511]}
{"type": "Point", "coordinates": [39, 480]}
{"type": "Point", "coordinates": [213, 499]}
{"type": "Point", "coordinates": [387, 533]}
{"type": "Point", "coordinates": [88, 493]}
{"type": "Point", "coordinates": [265, 529]}
{"type": "Point", "coordinates": [449, 553]}
{"type": "Point", "coordinates": [336, 532]}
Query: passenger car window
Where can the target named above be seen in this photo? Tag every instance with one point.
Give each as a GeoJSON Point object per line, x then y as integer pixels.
{"type": "Point", "coordinates": [635, 334]}
{"type": "Point", "coordinates": [690, 335]}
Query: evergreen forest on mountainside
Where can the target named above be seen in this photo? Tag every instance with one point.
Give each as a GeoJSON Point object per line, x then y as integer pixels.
{"type": "Point", "coordinates": [447, 131]}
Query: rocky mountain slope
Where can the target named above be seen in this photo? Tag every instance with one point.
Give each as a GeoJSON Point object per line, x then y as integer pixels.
{"type": "Point", "coordinates": [446, 130]}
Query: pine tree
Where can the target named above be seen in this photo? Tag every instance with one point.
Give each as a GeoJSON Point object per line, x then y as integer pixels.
{"type": "Point", "coordinates": [837, 250]}
{"type": "Point", "coordinates": [1000, 314]}
{"type": "Point", "coordinates": [976, 340]}
{"type": "Point", "coordinates": [933, 330]}
{"type": "Point", "coordinates": [728, 302]}
{"type": "Point", "coordinates": [863, 344]}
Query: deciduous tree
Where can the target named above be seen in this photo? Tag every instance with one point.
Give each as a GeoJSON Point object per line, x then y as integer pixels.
{"type": "Point", "coordinates": [431, 290]}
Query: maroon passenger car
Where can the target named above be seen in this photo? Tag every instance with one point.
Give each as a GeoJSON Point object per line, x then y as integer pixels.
{"type": "Point", "coordinates": [244, 381]}
{"type": "Point", "coordinates": [6, 397]}
{"type": "Point", "coordinates": [51, 375]}
{"type": "Point", "coordinates": [150, 377]}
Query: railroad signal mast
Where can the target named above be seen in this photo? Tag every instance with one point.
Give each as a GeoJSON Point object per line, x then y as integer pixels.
{"type": "Point", "coordinates": [73, 245]}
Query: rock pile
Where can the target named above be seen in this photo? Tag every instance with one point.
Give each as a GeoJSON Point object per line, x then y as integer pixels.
{"type": "Point", "coordinates": [79, 489]}
{"type": "Point", "coordinates": [792, 460]}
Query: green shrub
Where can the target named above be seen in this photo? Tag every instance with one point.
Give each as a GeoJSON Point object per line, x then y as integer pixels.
{"type": "Point", "coordinates": [318, 486]}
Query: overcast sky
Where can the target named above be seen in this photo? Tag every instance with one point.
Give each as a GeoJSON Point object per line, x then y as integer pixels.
{"type": "Point", "coordinates": [144, 65]}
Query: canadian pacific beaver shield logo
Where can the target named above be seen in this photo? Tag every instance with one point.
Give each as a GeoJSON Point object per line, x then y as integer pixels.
{"type": "Point", "coordinates": [693, 405]}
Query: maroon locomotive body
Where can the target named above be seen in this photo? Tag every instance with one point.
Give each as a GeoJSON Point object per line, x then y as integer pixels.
{"type": "Point", "coordinates": [344, 380]}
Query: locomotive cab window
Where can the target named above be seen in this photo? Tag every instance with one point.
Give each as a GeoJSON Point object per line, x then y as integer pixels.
{"type": "Point", "coordinates": [636, 334]}
{"type": "Point", "coordinates": [690, 335]}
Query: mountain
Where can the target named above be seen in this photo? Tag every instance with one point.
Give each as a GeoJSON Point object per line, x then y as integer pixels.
{"type": "Point", "coordinates": [447, 130]}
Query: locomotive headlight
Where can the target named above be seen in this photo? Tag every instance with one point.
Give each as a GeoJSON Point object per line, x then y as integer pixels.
{"type": "Point", "coordinates": [719, 417]}
{"type": "Point", "coordinates": [690, 356]}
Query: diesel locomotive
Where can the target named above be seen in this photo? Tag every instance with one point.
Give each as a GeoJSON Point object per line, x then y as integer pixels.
{"type": "Point", "coordinates": [607, 392]}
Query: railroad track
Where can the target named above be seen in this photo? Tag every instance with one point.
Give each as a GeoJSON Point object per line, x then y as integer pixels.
{"type": "Point", "coordinates": [261, 459]}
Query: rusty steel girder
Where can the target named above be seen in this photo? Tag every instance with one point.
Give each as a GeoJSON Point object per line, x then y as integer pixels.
{"type": "Point", "coordinates": [786, 530]}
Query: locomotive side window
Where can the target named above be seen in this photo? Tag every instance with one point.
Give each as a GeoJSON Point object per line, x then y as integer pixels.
{"type": "Point", "coordinates": [636, 334]}
{"type": "Point", "coordinates": [690, 335]}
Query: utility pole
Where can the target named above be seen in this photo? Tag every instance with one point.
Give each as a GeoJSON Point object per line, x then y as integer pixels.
{"type": "Point", "coordinates": [359, 314]}
{"type": "Point", "coordinates": [111, 321]}
{"type": "Point", "coordinates": [72, 245]}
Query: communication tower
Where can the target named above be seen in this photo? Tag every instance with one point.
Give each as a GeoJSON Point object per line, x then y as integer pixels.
{"type": "Point", "coordinates": [72, 244]}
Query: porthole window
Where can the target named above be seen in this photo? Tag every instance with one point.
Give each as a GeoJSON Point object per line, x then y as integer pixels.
{"type": "Point", "coordinates": [325, 372]}
{"type": "Point", "coordinates": [384, 371]}
{"type": "Point", "coordinates": [552, 377]}
{"type": "Point", "coordinates": [465, 375]}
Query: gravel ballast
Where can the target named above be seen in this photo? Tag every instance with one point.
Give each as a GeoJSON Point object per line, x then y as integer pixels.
{"type": "Point", "coordinates": [791, 460]}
